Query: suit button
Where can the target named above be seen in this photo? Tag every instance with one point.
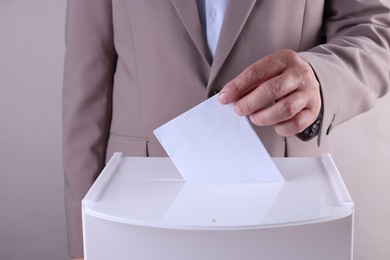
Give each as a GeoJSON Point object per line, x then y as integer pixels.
{"type": "Point", "coordinates": [214, 91]}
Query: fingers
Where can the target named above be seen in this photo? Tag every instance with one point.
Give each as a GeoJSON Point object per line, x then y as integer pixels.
{"type": "Point", "coordinates": [295, 125]}
{"type": "Point", "coordinates": [290, 116]}
{"type": "Point", "coordinates": [279, 90]}
{"type": "Point", "coordinates": [280, 111]}
{"type": "Point", "coordinates": [269, 92]}
{"type": "Point", "coordinates": [251, 77]}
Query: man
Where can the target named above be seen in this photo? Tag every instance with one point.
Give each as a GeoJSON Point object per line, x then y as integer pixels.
{"type": "Point", "coordinates": [297, 68]}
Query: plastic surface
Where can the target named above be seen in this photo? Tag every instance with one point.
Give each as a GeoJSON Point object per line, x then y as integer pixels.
{"type": "Point", "coordinates": [140, 208]}
{"type": "Point", "coordinates": [151, 192]}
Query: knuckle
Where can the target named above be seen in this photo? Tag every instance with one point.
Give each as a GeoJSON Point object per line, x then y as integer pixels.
{"type": "Point", "coordinates": [289, 109]}
{"type": "Point", "coordinates": [302, 74]}
{"type": "Point", "coordinates": [275, 89]}
{"type": "Point", "coordinates": [306, 72]}
{"type": "Point", "coordinates": [291, 55]}
{"type": "Point", "coordinates": [307, 75]}
{"type": "Point", "coordinates": [298, 125]}
{"type": "Point", "coordinates": [255, 72]}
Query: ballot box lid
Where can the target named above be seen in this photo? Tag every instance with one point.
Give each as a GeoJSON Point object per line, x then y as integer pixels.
{"type": "Point", "coordinates": [151, 192]}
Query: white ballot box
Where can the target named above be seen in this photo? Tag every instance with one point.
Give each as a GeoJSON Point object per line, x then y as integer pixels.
{"type": "Point", "coordinates": [141, 208]}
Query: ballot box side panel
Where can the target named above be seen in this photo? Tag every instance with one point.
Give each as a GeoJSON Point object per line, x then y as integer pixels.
{"type": "Point", "coordinates": [321, 241]}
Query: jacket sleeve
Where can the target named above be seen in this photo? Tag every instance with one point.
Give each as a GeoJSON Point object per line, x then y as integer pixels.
{"type": "Point", "coordinates": [88, 77]}
{"type": "Point", "coordinates": [354, 62]}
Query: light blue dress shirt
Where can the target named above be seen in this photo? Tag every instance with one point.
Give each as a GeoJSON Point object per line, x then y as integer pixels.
{"type": "Point", "coordinates": [211, 13]}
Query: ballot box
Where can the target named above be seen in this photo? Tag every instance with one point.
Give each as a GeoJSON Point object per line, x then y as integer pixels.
{"type": "Point", "coordinates": [140, 208]}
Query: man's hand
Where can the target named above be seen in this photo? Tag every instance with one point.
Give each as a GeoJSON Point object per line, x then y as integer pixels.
{"type": "Point", "coordinates": [280, 90]}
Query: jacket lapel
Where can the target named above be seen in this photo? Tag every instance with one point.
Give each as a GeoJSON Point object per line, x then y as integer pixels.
{"type": "Point", "coordinates": [188, 13]}
{"type": "Point", "coordinates": [236, 14]}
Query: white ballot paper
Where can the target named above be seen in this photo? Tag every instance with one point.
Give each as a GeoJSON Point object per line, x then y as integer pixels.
{"type": "Point", "coordinates": [211, 143]}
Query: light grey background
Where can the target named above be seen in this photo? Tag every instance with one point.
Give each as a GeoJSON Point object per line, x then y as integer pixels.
{"type": "Point", "coordinates": [32, 221]}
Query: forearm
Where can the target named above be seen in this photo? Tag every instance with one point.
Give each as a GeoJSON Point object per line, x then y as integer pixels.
{"type": "Point", "coordinates": [353, 65]}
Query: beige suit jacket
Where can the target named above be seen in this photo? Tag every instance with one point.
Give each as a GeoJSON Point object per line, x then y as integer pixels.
{"type": "Point", "coordinates": [132, 65]}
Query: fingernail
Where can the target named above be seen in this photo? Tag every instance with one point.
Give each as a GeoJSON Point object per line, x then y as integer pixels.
{"type": "Point", "coordinates": [223, 97]}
